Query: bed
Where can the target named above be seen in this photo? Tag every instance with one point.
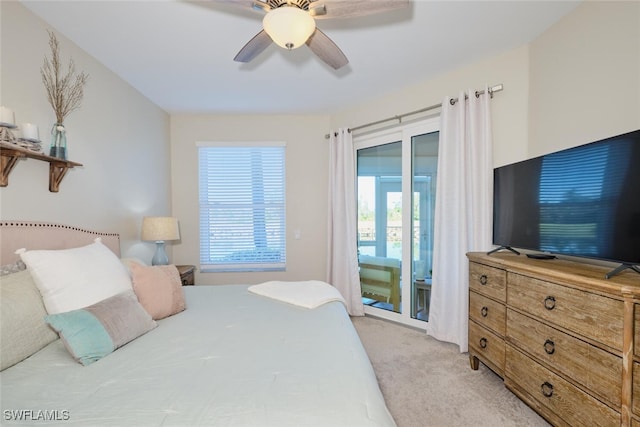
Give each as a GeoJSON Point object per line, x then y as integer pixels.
{"type": "Point", "coordinates": [231, 358]}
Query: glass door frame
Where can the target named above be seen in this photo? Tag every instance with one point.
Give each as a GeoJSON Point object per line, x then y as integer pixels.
{"type": "Point", "coordinates": [403, 133]}
{"type": "Point", "coordinates": [382, 226]}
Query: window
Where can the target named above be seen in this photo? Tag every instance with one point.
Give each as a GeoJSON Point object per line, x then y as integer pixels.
{"type": "Point", "coordinates": [242, 206]}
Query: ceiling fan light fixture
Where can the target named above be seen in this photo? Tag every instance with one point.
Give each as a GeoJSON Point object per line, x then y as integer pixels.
{"type": "Point", "coordinates": [289, 26]}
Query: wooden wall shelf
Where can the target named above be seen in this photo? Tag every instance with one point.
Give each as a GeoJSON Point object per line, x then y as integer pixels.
{"type": "Point", "coordinates": [11, 153]}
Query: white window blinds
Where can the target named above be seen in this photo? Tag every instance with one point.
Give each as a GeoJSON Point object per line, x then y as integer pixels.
{"type": "Point", "coordinates": [242, 207]}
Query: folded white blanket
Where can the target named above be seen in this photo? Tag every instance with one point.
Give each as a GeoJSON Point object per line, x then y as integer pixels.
{"type": "Point", "coordinates": [308, 294]}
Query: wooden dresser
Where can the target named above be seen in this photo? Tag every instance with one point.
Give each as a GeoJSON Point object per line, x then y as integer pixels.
{"type": "Point", "coordinates": [560, 335]}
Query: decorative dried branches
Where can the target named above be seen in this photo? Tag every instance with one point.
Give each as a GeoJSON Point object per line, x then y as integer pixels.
{"type": "Point", "coordinates": [63, 91]}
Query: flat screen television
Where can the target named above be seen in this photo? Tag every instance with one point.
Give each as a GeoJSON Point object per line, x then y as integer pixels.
{"type": "Point", "coordinates": [583, 201]}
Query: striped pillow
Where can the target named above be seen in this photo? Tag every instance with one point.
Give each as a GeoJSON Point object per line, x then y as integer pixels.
{"type": "Point", "coordinates": [94, 332]}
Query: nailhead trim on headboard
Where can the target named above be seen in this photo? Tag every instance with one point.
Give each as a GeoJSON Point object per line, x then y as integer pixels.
{"type": "Point", "coordinates": [44, 235]}
{"type": "Point", "coordinates": [46, 224]}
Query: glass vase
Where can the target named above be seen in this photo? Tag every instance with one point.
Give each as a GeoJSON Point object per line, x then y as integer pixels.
{"type": "Point", "coordinates": [58, 146]}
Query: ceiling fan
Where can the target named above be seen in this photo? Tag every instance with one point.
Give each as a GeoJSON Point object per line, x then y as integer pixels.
{"type": "Point", "coordinates": [291, 23]}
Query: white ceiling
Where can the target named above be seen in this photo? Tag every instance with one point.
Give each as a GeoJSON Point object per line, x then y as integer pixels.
{"type": "Point", "coordinates": [180, 53]}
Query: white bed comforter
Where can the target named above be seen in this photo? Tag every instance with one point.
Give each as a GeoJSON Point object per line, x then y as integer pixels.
{"type": "Point", "coordinates": [232, 358]}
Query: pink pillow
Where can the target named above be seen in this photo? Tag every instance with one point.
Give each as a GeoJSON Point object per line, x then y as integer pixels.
{"type": "Point", "coordinates": [158, 289]}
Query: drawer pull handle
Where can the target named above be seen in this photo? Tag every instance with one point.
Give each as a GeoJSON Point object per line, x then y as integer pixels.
{"type": "Point", "coordinates": [549, 303]}
{"type": "Point", "coordinates": [547, 389]}
{"type": "Point", "coordinates": [483, 342]}
{"type": "Point", "coordinates": [549, 347]}
{"type": "Point", "coordinates": [484, 311]}
{"type": "Point", "coordinates": [483, 279]}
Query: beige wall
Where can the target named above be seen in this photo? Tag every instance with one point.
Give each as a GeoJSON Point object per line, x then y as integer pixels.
{"type": "Point", "coordinates": [528, 119]}
{"type": "Point", "coordinates": [509, 107]}
{"type": "Point", "coordinates": [307, 164]}
{"type": "Point", "coordinates": [585, 77]}
{"type": "Point", "coordinates": [577, 82]}
{"type": "Point", "coordinates": [120, 137]}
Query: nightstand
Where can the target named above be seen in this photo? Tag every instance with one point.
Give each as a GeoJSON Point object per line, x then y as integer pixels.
{"type": "Point", "coordinates": [187, 274]}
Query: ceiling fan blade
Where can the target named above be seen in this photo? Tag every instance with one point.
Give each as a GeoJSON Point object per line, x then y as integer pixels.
{"type": "Point", "coordinates": [351, 8]}
{"type": "Point", "coordinates": [254, 47]}
{"type": "Point", "coordinates": [326, 49]}
{"type": "Point", "coordinates": [257, 5]}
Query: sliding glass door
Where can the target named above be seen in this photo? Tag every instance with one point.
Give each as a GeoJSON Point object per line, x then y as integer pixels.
{"type": "Point", "coordinates": [396, 172]}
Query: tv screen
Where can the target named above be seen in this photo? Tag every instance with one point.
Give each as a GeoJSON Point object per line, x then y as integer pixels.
{"type": "Point", "coordinates": [583, 201]}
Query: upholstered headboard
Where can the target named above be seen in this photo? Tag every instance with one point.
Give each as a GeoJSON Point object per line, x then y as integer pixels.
{"type": "Point", "coordinates": [43, 235]}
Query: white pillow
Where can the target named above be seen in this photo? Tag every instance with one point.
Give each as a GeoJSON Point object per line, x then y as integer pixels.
{"type": "Point", "coordinates": [70, 279]}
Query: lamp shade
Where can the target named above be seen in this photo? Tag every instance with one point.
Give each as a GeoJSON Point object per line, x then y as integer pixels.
{"type": "Point", "coordinates": [160, 228]}
{"type": "Point", "coordinates": [288, 26]}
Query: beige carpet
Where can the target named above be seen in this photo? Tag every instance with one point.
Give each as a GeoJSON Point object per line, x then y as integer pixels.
{"type": "Point", "coordinates": [429, 383]}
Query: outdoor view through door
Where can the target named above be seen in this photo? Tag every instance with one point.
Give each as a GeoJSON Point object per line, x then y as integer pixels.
{"type": "Point", "coordinates": [396, 186]}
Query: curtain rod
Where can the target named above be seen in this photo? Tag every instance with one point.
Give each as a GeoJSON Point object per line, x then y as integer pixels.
{"type": "Point", "coordinates": [491, 90]}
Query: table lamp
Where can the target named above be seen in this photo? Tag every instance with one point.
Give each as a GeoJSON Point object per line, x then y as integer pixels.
{"type": "Point", "coordinates": [159, 229]}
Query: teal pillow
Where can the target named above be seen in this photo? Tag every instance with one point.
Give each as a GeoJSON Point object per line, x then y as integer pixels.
{"type": "Point", "coordinates": [94, 332]}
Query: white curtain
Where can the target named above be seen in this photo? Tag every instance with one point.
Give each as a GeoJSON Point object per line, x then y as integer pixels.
{"type": "Point", "coordinates": [342, 259]}
{"type": "Point", "coordinates": [463, 212]}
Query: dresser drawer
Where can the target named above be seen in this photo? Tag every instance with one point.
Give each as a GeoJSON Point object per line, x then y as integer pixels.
{"type": "Point", "coordinates": [562, 398]}
{"type": "Point", "coordinates": [635, 403]}
{"type": "Point", "coordinates": [488, 281]}
{"type": "Point", "coordinates": [186, 274]}
{"type": "Point", "coordinates": [187, 279]}
{"type": "Point", "coordinates": [636, 339]}
{"type": "Point", "coordinates": [594, 316]}
{"type": "Point", "coordinates": [487, 312]}
{"type": "Point", "coordinates": [590, 366]}
{"type": "Point", "coordinates": [487, 346]}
